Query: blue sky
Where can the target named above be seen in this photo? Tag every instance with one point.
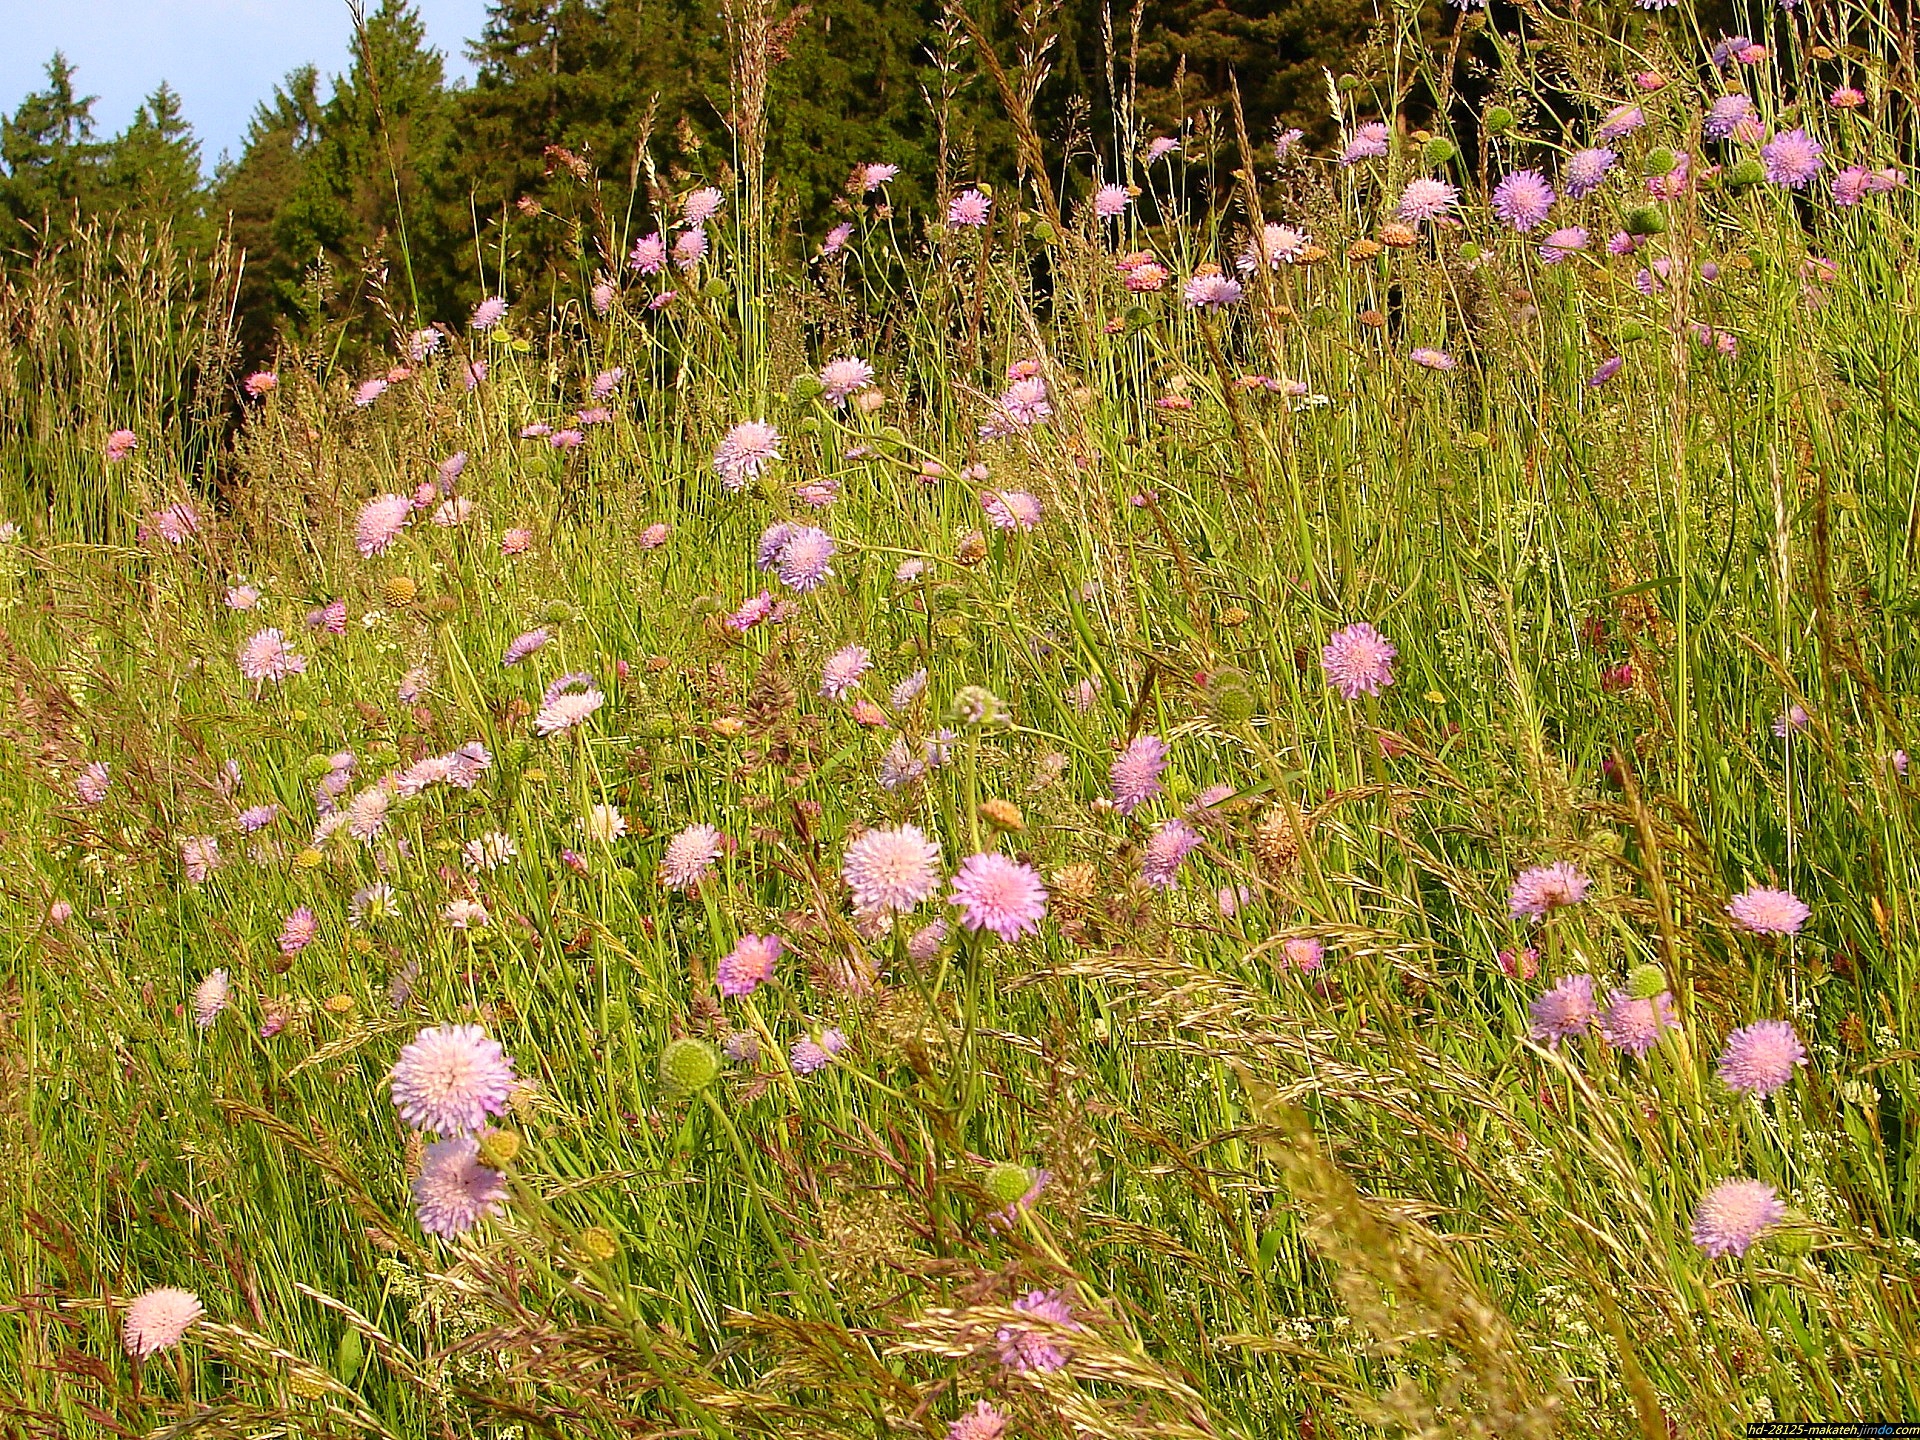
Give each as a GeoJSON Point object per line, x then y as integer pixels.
{"type": "Point", "coordinates": [223, 56]}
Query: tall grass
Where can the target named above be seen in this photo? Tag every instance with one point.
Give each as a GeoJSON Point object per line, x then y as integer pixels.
{"type": "Point", "coordinates": [1352, 1200]}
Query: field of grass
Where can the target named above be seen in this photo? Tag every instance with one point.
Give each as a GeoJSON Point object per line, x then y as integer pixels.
{"type": "Point", "coordinates": [1262, 1128]}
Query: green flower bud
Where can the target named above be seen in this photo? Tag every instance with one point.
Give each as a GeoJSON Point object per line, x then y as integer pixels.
{"type": "Point", "coordinates": [1231, 697]}
{"type": "Point", "coordinates": [1661, 160]}
{"type": "Point", "coordinates": [317, 767]}
{"type": "Point", "coordinates": [1138, 318]}
{"type": "Point", "coordinates": [1743, 173]}
{"type": "Point", "coordinates": [687, 1066]}
{"type": "Point", "coordinates": [977, 705]}
{"type": "Point", "coordinates": [348, 1355]}
{"type": "Point", "coordinates": [1646, 981]}
{"type": "Point", "coordinates": [1499, 120]}
{"type": "Point", "coordinates": [1439, 150]}
{"type": "Point", "coordinates": [805, 387]}
{"type": "Point", "coordinates": [560, 613]}
{"type": "Point", "coordinates": [1646, 220]}
{"type": "Point", "coordinates": [715, 289]}
{"type": "Point", "coordinates": [1007, 1182]}
{"type": "Point", "coordinates": [1470, 251]}
{"type": "Point", "coordinates": [1631, 331]}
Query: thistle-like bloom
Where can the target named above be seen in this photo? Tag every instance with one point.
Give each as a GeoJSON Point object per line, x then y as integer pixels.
{"type": "Point", "coordinates": [369, 391]}
{"type": "Point", "coordinates": [450, 1079]}
{"type": "Point", "coordinates": [690, 248]}
{"type": "Point", "coordinates": [210, 998]}
{"type": "Point", "coordinates": [1430, 359]}
{"type": "Point", "coordinates": [265, 657]}
{"type": "Point", "coordinates": [1135, 773]}
{"type": "Point", "coordinates": [465, 915]}
{"type": "Point", "coordinates": [1792, 158]}
{"type": "Point", "coordinates": [1850, 186]}
{"type": "Point", "coordinates": [524, 644]}
{"type": "Point", "coordinates": [297, 931]}
{"type": "Point", "coordinates": [1305, 953]}
{"type": "Point", "coordinates": [746, 452]}
{"type": "Point", "coordinates": [843, 670]}
{"type": "Point", "coordinates": [1273, 246]}
{"type": "Point", "coordinates": [1636, 1024]}
{"type": "Point", "coordinates": [804, 556]}
{"type": "Point", "coordinates": [1210, 290]}
{"type": "Point", "coordinates": [262, 383]}
{"type": "Point", "coordinates": [1608, 369]}
{"type": "Point", "coordinates": [1563, 242]}
{"type": "Point", "coordinates": [1568, 1009]}
{"type": "Point", "coordinates": [844, 377]}
{"type": "Point", "coordinates": [120, 444]}
{"type": "Point", "coordinates": [1734, 1214]}
{"type": "Point", "coordinates": [1726, 115]}
{"type": "Point", "coordinates": [159, 1320]}
{"type": "Point", "coordinates": [453, 1191]}
{"type": "Point", "coordinates": [1621, 121]}
{"type": "Point", "coordinates": [1369, 142]}
{"type": "Point", "coordinates": [1766, 911]}
{"type": "Point", "coordinates": [1523, 199]}
{"type": "Point", "coordinates": [466, 765]}
{"type": "Point", "coordinates": [1011, 509]}
{"type": "Point", "coordinates": [908, 690]}
{"type": "Point", "coordinates": [381, 521]}
{"type": "Point", "coordinates": [367, 813]}
{"type": "Point", "coordinates": [1164, 853]}
{"type": "Point", "coordinates": [751, 612]}
{"type": "Point", "coordinates": [969, 207]}
{"type": "Point", "coordinates": [1025, 1349]}
{"type": "Point", "coordinates": [92, 784]}
{"type": "Point", "coordinates": [1110, 201]}
{"type": "Point", "coordinates": [570, 707]}
{"type": "Point", "coordinates": [749, 965]}
{"type": "Point", "coordinates": [1760, 1058]}
{"type": "Point", "coordinates": [689, 856]}
{"type": "Point", "coordinates": [998, 894]}
{"type": "Point", "coordinates": [1426, 198]}
{"type": "Point", "coordinates": [603, 824]}
{"type": "Point", "coordinates": [199, 857]}
{"type": "Point", "coordinates": [649, 254]}
{"type": "Point", "coordinates": [702, 205]}
{"type": "Point", "coordinates": [1358, 661]}
{"type": "Point", "coordinates": [1541, 888]}
{"type": "Point", "coordinates": [873, 176]}
{"type": "Point", "coordinates": [330, 617]}
{"type": "Point", "coordinates": [891, 872]}
{"type": "Point", "coordinates": [811, 1054]}
{"type": "Point", "coordinates": [655, 535]}
{"type": "Point", "coordinates": [488, 313]}
{"type": "Point", "coordinates": [983, 1422]}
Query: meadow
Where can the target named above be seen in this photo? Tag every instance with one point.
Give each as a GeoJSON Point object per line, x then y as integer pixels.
{"type": "Point", "coordinates": [1233, 788]}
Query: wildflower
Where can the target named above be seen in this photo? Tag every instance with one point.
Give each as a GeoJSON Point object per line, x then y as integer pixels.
{"type": "Point", "coordinates": [702, 205]}
{"type": "Point", "coordinates": [843, 671]}
{"type": "Point", "coordinates": [803, 558]}
{"type": "Point", "coordinates": [998, 894]}
{"type": "Point", "coordinates": [199, 857]}
{"type": "Point", "coordinates": [120, 444]}
{"type": "Point", "coordinates": [1543, 888]}
{"type": "Point", "coordinates": [1426, 198]}
{"type": "Point", "coordinates": [1521, 964]}
{"type": "Point", "coordinates": [261, 383]}
{"type": "Point", "coordinates": [750, 613]}
{"type": "Point", "coordinates": [453, 512]}
{"type": "Point", "coordinates": [1562, 243]}
{"type": "Point", "coordinates": [450, 1078]}
{"type": "Point", "coordinates": [891, 872]}
{"type": "Point", "coordinates": [1169, 846]}
{"type": "Point", "coordinates": [465, 915]}
{"type": "Point", "coordinates": [1635, 1023]}
{"type": "Point", "coordinates": [243, 597]}
{"type": "Point", "coordinates": [91, 786]}
{"type": "Point", "coordinates": [1846, 97]}
{"type": "Point", "coordinates": [1369, 142]}
{"type": "Point", "coordinates": [568, 708]}
{"type": "Point", "coordinates": [748, 449]}
{"type": "Point", "coordinates": [1110, 201]}
{"type": "Point", "coordinates": [1148, 277]}
{"type": "Point", "coordinates": [467, 764]}
{"type": "Point", "coordinates": [649, 254]}
{"type": "Point", "coordinates": [1760, 1058]}
{"type": "Point", "coordinates": [689, 856]}
{"type": "Point", "coordinates": [1160, 147]}
{"type": "Point", "coordinates": [1432, 359]}
{"type": "Point", "coordinates": [836, 238]}
{"type": "Point", "coordinates": [1522, 199]}
{"type": "Point", "coordinates": [1135, 773]}
{"type": "Point", "coordinates": [367, 812]}
{"type": "Point", "coordinates": [159, 1320]}
{"type": "Point", "coordinates": [654, 536]}
{"type": "Point", "coordinates": [371, 904]}
{"type": "Point", "coordinates": [969, 207]}
{"type": "Point", "coordinates": [1734, 1214]}
{"type": "Point", "coordinates": [490, 851]}
{"type": "Point", "coordinates": [1358, 661]}
{"type": "Point", "coordinates": [210, 998]}
{"type": "Point", "coordinates": [1764, 911]}
{"type": "Point", "coordinates": [1621, 122]}
{"type": "Point", "coordinates": [488, 313]}
{"type": "Point", "coordinates": [1584, 170]}
{"type": "Point", "coordinates": [1792, 158]}
{"type": "Point", "coordinates": [843, 377]}
{"type": "Point", "coordinates": [690, 248]}
{"type": "Point", "coordinates": [1025, 1349]}
{"type": "Point", "coordinates": [812, 1054]}
{"type": "Point", "coordinates": [381, 521]}
{"type": "Point", "coordinates": [330, 617]}
{"type": "Point", "coordinates": [525, 644]}
{"type": "Point", "coordinates": [983, 1422]}
{"type": "Point", "coordinates": [1791, 721]}
{"type": "Point", "coordinates": [176, 523]}
{"type": "Point", "coordinates": [1849, 186]}
{"type": "Point", "coordinates": [1726, 115]}
{"type": "Point", "coordinates": [474, 374]}
{"type": "Point", "coordinates": [900, 766]}
{"type": "Point", "coordinates": [297, 931]}
{"type": "Point", "coordinates": [908, 690]}
{"type": "Point", "coordinates": [265, 657]}
{"type": "Point", "coordinates": [1021, 406]}
{"type": "Point", "coordinates": [749, 965]}
{"type": "Point", "coordinates": [1210, 290]}
{"type": "Point", "coordinates": [872, 177]}
{"type": "Point", "coordinates": [1273, 246]}
{"type": "Point", "coordinates": [1568, 1009]}
{"type": "Point", "coordinates": [454, 1191]}
{"type": "Point", "coordinates": [369, 391]}
{"type": "Point", "coordinates": [1608, 369]}
{"type": "Point", "coordinates": [1011, 509]}
{"type": "Point", "coordinates": [603, 824]}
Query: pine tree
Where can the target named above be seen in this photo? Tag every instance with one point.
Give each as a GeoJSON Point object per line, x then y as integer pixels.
{"type": "Point", "coordinates": [52, 161]}
{"type": "Point", "coordinates": [151, 174]}
{"type": "Point", "coordinates": [250, 194]}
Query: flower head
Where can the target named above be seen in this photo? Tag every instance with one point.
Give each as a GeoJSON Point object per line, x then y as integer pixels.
{"type": "Point", "coordinates": [872, 177]}
{"type": "Point", "coordinates": [998, 894]}
{"type": "Point", "coordinates": [381, 521]}
{"type": "Point", "coordinates": [488, 313]}
{"type": "Point", "coordinates": [1562, 243]}
{"type": "Point", "coordinates": [1369, 142]}
{"type": "Point", "coordinates": [1430, 359]}
{"type": "Point", "coordinates": [1273, 246]}
{"type": "Point", "coordinates": [210, 998]}
{"type": "Point", "coordinates": [1522, 199]}
{"type": "Point", "coordinates": [1426, 198]}
{"type": "Point", "coordinates": [570, 707]}
{"type": "Point", "coordinates": [746, 452]}
{"type": "Point", "coordinates": [1726, 115]}
{"type": "Point", "coordinates": [1766, 911]}
{"type": "Point", "coordinates": [969, 207]}
{"type": "Point", "coordinates": [843, 670]}
{"type": "Point", "coordinates": [843, 377]}
{"type": "Point", "coordinates": [891, 872]}
{"type": "Point", "coordinates": [525, 644]}
{"type": "Point", "coordinates": [450, 1078]}
{"type": "Point", "coordinates": [1110, 201]}
{"type": "Point", "coordinates": [804, 556]}
{"type": "Point", "coordinates": [454, 1191]}
{"type": "Point", "coordinates": [92, 785]}
{"type": "Point", "coordinates": [1358, 660]}
{"type": "Point", "coordinates": [1635, 1023]}
{"type": "Point", "coordinates": [1011, 509]}
{"type": "Point", "coordinates": [649, 254]}
{"type": "Point", "coordinates": [1734, 1214]}
{"type": "Point", "coordinates": [811, 1053]}
{"type": "Point", "coordinates": [1024, 1348]}
{"type": "Point", "coordinates": [1584, 171]}
{"type": "Point", "coordinates": [689, 856]}
{"type": "Point", "coordinates": [749, 965]}
{"type": "Point", "coordinates": [265, 657]}
{"type": "Point", "coordinates": [297, 931]}
{"type": "Point", "coordinates": [702, 205]}
{"type": "Point", "coordinates": [159, 1320]}
{"type": "Point", "coordinates": [1568, 1009]}
{"type": "Point", "coordinates": [983, 1422]}
{"type": "Point", "coordinates": [1135, 773]}
{"type": "Point", "coordinates": [1211, 290]}
{"type": "Point", "coordinates": [1542, 888]}
{"type": "Point", "coordinates": [1621, 121]}
{"type": "Point", "coordinates": [1164, 852]}
{"type": "Point", "coordinates": [1760, 1058]}
{"type": "Point", "coordinates": [1791, 158]}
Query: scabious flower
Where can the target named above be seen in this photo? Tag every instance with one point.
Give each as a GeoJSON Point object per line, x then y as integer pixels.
{"type": "Point", "coordinates": [265, 657]}
{"type": "Point", "coordinates": [1023, 1348]}
{"type": "Point", "coordinates": [159, 1320]}
{"type": "Point", "coordinates": [983, 1422]}
{"type": "Point", "coordinates": [689, 856]}
{"type": "Point", "coordinates": [1850, 186]}
{"type": "Point", "coordinates": [1726, 115]}
{"type": "Point", "coordinates": [811, 1054]}
{"type": "Point", "coordinates": [1011, 509]}
{"type": "Point", "coordinates": [702, 205]}
{"type": "Point", "coordinates": [330, 617]}
{"type": "Point", "coordinates": [843, 670]}
{"type": "Point", "coordinates": [1304, 953]}
{"type": "Point", "coordinates": [1135, 772]}
{"type": "Point", "coordinates": [969, 207]}
{"type": "Point", "coordinates": [1358, 660]}
{"type": "Point", "coordinates": [1846, 97]}
{"type": "Point", "coordinates": [649, 254]}
{"type": "Point", "coordinates": [1211, 290]}
{"type": "Point", "coordinates": [751, 612]}
{"type": "Point", "coordinates": [381, 521]}
{"type": "Point", "coordinates": [524, 644]}
{"type": "Point", "coordinates": [873, 176]}
{"type": "Point", "coordinates": [564, 708]}
{"type": "Point", "coordinates": [369, 391]}
{"type": "Point", "coordinates": [467, 764]}
{"type": "Point", "coordinates": [1760, 1058]}
{"type": "Point", "coordinates": [803, 558]}
{"type": "Point", "coordinates": [891, 872]}
{"type": "Point", "coordinates": [1273, 246]}
{"type": "Point", "coordinates": [837, 237]}
{"type": "Point", "coordinates": [1734, 1214]}
{"type": "Point", "coordinates": [450, 1078]}
{"type": "Point", "coordinates": [176, 523]}
{"type": "Point", "coordinates": [746, 452]}
{"type": "Point", "coordinates": [690, 248]}
{"type": "Point", "coordinates": [998, 894]}
{"type": "Point", "coordinates": [1563, 242]}
{"type": "Point", "coordinates": [1608, 369]}
{"type": "Point", "coordinates": [1431, 359]}
{"type": "Point", "coordinates": [297, 931]}
{"type": "Point", "coordinates": [1369, 142]}
{"type": "Point", "coordinates": [120, 444]}
{"type": "Point", "coordinates": [1569, 1008]}
{"type": "Point", "coordinates": [1792, 158]}
{"type": "Point", "coordinates": [454, 1191]}
{"type": "Point", "coordinates": [1165, 851]}
{"type": "Point", "coordinates": [1542, 888]}
{"type": "Point", "coordinates": [210, 998]}
{"type": "Point", "coordinates": [1634, 1023]}
{"type": "Point", "coordinates": [243, 597]}
{"type": "Point", "coordinates": [1584, 171]}
{"type": "Point", "coordinates": [262, 383]}
{"type": "Point", "coordinates": [199, 857]}
{"type": "Point", "coordinates": [1765, 911]}
{"type": "Point", "coordinates": [91, 785]}
{"type": "Point", "coordinates": [488, 313]}
{"type": "Point", "coordinates": [1426, 198]}
{"type": "Point", "coordinates": [749, 965]}
{"type": "Point", "coordinates": [1110, 201]}
{"type": "Point", "coordinates": [844, 377]}
{"type": "Point", "coordinates": [1621, 121]}
{"type": "Point", "coordinates": [1522, 199]}
{"type": "Point", "coordinates": [465, 915]}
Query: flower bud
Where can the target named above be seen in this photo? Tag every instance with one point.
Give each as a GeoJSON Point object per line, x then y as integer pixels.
{"type": "Point", "coordinates": [1007, 1182]}
{"type": "Point", "coordinates": [1646, 981]}
{"type": "Point", "coordinates": [687, 1066]}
